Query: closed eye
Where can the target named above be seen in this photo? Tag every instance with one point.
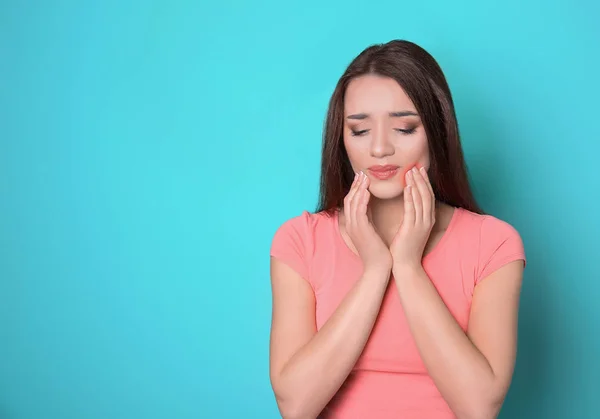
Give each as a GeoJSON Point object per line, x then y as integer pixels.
{"type": "Point", "coordinates": [406, 131]}
{"type": "Point", "coordinates": [359, 133]}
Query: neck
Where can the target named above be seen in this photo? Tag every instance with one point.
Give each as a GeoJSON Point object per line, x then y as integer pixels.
{"type": "Point", "coordinates": [386, 216]}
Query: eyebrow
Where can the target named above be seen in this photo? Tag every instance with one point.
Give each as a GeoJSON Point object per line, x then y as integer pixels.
{"type": "Point", "coordinates": [392, 114]}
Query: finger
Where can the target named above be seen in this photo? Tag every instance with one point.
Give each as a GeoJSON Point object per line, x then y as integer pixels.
{"type": "Point", "coordinates": [369, 210]}
{"type": "Point", "coordinates": [356, 198]}
{"type": "Point", "coordinates": [361, 215]}
{"type": "Point", "coordinates": [416, 195]}
{"type": "Point", "coordinates": [349, 197]}
{"type": "Point", "coordinates": [353, 187]}
{"type": "Point", "coordinates": [427, 181]}
{"type": "Point", "coordinates": [409, 207]}
{"type": "Point", "coordinates": [430, 187]}
{"type": "Point", "coordinates": [425, 197]}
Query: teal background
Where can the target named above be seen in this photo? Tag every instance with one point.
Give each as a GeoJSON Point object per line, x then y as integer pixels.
{"type": "Point", "coordinates": [149, 150]}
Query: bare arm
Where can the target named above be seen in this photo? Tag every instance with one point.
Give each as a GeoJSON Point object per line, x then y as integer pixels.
{"type": "Point", "coordinates": [309, 367]}
{"type": "Point", "coordinates": [472, 371]}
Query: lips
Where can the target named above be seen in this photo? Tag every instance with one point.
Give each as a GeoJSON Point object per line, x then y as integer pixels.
{"type": "Point", "coordinates": [383, 172]}
{"type": "Point", "coordinates": [385, 168]}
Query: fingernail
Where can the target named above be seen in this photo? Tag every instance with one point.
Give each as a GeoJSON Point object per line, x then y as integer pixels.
{"type": "Point", "coordinates": [414, 169]}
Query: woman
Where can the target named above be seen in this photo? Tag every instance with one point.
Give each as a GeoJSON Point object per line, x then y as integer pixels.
{"type": "Point", "coordinates": [398, 297]}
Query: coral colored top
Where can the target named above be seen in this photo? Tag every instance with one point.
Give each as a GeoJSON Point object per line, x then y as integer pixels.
{"type": "Point", "coordinates": [390, 380]}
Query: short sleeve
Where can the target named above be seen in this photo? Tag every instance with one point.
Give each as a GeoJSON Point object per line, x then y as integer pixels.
{"type": "Point", "coordinates": [290, 243]}
{"type": "Point", "coordinates": [499, 244]}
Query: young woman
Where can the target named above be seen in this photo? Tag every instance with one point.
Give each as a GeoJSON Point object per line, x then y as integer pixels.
{"type": "Point", "coordinates": [398, 297]}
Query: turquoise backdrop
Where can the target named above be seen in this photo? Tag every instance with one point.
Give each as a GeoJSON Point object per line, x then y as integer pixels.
{"type": "Point", "coordinates": [149, 150]}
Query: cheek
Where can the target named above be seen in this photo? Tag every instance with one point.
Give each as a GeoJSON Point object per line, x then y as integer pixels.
{"type": "Point", "coordinates": [406, 169]}
{"type": "Point", "coordinates": [415, 144]}
{"type": "Point", "coordinates": [356, 153]}
{"type": "Point", "coordinates": [415, 154]}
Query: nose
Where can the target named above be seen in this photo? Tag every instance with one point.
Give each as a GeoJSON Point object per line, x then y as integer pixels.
{"type": "Point", "coordinates": [381, 144]}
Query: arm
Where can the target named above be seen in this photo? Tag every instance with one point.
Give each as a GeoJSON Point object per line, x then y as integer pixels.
{"type": "Point", "coordinates": [308, 367]}
{"type": "Point", "coordinates": [472, 371]}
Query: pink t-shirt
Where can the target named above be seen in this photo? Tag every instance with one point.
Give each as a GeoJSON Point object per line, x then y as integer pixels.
{"type": "Point", "coordinates": [390, 380]}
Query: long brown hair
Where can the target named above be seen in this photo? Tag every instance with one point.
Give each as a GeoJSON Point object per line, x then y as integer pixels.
{"type": "Point", "coordinates": [425, 84]}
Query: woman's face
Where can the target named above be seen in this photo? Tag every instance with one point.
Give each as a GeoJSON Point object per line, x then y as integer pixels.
{"type": "Point", "coordinates": [382, 128]}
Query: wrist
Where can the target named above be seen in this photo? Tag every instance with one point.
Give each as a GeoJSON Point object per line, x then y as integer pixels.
{"type": "Point", "coordinates": [402, 270]}
{"type": "Point", "coordinates": [378, 271]}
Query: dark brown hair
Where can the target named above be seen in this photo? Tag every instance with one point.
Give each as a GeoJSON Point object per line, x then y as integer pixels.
{"type": "Point", "coordinates": [422, 79]}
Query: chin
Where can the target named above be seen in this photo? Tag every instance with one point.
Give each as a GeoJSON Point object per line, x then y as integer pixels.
{"type": "Point", "coordinates": [383, 191]}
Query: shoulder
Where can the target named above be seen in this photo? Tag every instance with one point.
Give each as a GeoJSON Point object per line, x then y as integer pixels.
{"type": "Point", "coordinates": [487, 227]}
{"type": "Point", "coordinates": [496, 242]}
{"type": "Point", "coordinates": [302, 225]}
{"type": "Point", "coordinates": [296, 221]}
{"type": "Point", "coordinates": [294, 239]}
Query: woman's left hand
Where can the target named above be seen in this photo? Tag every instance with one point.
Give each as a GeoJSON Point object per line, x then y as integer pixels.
{"type": "Point", "coordinates": [408, 244]}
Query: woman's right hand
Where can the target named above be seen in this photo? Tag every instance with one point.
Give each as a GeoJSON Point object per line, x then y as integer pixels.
{"type": "Point", "coordinates": [372, 250]}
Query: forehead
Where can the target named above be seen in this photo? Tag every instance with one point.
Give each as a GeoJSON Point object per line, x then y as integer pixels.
{"type": "Point", "coordinates": [375, 95]}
